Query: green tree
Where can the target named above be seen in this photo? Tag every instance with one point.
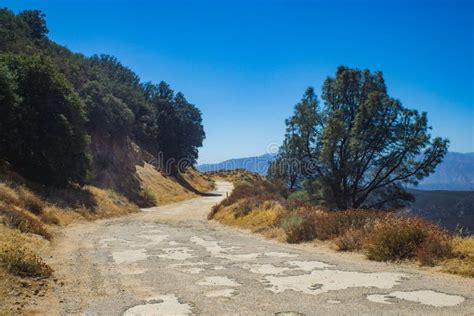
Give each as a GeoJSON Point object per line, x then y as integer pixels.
{"type": "Point", "coordinates": [42, 122]}
{"type": "Point", "coordinates": [108, 115]}
{"type": "Point", "coordinates": [190, 130]}
{"type": "Point", "coordinates": [179, 127]}
{"type": "Point", "coordinates": [362, 147]}
{"type": "Point", "coordinates": [35, 19]}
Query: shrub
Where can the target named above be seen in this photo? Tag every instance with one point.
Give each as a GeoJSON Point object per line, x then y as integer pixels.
{"type": "Point", "coordinates": [397, 238]}
{"type": "Point", "coordinates": [260, 190]}
{"type": "Point", "coordinates": [30, 201]}
{"type": "Point", "coordinates": [329, 225]}
{"type": "Point", "coordinates": [434, 248]}
{"type": "Point", "coordinates": [21, 220]}
{"type": "Point", "coordinates": [213, 211]}
{"type": "Point", "coordinates": [24, 263]}
{"type": "Point", "coordinates": [297, 228]}
{"type": "Point", "coordinates": [150, 197]}
{"type": "Point", "coordinates": [462, 258]}
{"type": "Point", "coordinates": [351, 240]}
{"type": "Point", "coordinates": [8, 195]}
{"type": "Point", "coordinates": [301, 196]}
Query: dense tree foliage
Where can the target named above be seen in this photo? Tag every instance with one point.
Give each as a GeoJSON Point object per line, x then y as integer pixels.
{"type": "Point", "coordinates": [111, 101]}
{"type": "Point", "coordinates": [179, 126]}
{"type": "Point", "coordinates": [42, 122]}
{"type": "Point", "coordinates": [36, 22]}
{"type": "Point", "coordinates": [361, 148]}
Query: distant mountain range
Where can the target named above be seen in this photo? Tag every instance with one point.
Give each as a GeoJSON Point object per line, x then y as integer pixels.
{"type": "Point", "coordinates": [257, 164]}
{"type": "Point", "coordinates": [455, 173]}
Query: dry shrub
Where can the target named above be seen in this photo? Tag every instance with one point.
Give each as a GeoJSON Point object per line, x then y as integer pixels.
{"type": "Point", "coordinates": [257, 190]}
{"type": "Point", "coordinates": [351, 240]}
{"type": "Point", "coordinates": [277, 233]}
{"type": "Point", "coordinates": [462, 259]}
{"type": "Point", "coordinates": [261, 219]}
{"type": "Point", "coordinates": [308, 222]}
{"type": "Point", "coordinates": [248, 196]}
{"type": "Point", "coordinates": [30, 201]}
{"type": "Point", "coordinates": [18, 253]}
{"type": "Point", "coordinates": [27, 223]}
{"type": "Point", "coordinates": [433, 249]}
{"type": "Point", "coordinates": [398, 238]}
{"type": "Point", "coordinates": [23, 262]}
{"type": "Point", "coordinates": [330, 225]}
{"type": "Point", "coordinates": [149, 196]}
{"type": "Point", "coordinates": [297, 227]}
{"type": "Point", "coordinates": [108, 203]}
{"type": "Point", "coordinates": [213, 211]}
{"type": "Point", "coordinates": [61, 216]}
{"type": "Point", "coordinates": [8, 195]}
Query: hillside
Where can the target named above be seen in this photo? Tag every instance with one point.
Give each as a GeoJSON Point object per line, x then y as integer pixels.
{"type": "Point", "coordinates": [81, 138]}
{"type": "Point", "coordinates": [67, 119]}
{"type": "Point", "coordinates": [450, 209]}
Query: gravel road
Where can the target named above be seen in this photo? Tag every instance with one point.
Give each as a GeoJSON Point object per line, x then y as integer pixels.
{"type": "Point", "coordinates": [170, 260]}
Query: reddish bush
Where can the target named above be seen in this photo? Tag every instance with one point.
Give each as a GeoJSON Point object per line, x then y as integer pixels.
{"type": "Point", "coordinates": [397, 238]}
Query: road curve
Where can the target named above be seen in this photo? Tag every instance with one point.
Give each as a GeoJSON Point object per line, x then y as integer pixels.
{"type": "Point", "coordinates": [170, 260]}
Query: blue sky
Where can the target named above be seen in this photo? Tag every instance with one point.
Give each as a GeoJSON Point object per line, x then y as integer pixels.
{"type": "Point", "coordinates": [246, 63]}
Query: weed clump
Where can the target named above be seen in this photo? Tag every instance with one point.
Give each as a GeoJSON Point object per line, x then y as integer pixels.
{"type": "Point", "coordinates": [27, 223]}
{"type": "Point", "coordinates": [398, 238]}
{"type": "Point", "coordinates": [24, 263]}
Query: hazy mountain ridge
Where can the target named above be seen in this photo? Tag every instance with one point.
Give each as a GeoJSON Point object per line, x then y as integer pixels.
{"type": "Point", "coordinates": [258, 164]}
{"type": "Point", "coordinates": [455, 173]}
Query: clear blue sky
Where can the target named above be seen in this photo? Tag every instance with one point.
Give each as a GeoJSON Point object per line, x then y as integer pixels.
{"type": "Point", "coordinates": [246, 63]}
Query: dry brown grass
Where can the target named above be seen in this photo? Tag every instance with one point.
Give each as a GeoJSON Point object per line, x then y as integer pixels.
{"type": "Point", "coordinates": [19, 259]}
{"type": "Point", "coordinates": [8, 195]}
{"type": "Point", "coordinates": [164, 189]}
{"type": "Point", "coordinates": [462, 261]}
{"type": "Point", "coordinates": [30, 201]}
{"type": "Point", "coordinates": [260, 220]}
{"type": "Point", "coordinates": [199, 181]}
{"type": "Point", "coordinates": [22, 220]}
{"type": "Point", "coordinates": [18, 254]}
{"type": "Point", "coordinates": [235, 176]}
{"type": "Point", "coordinates": [107, 204]}
{"type": "Point", "coordinates": [398, 238]}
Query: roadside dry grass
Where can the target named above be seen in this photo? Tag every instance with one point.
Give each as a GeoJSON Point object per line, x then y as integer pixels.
{"type": "Point", "coordinates": [160, 189]}
{"type": "Point", "coordinates": [235, 176]}
{"type": "Point", "coordinates": [462, 261]}
{"type": "Point", "coordinates": [27, 221]}
{"type": "Point", "coordinates": [379, 235]}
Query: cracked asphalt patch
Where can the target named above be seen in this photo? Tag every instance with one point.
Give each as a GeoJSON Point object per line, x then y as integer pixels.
{"type": "Point", "coordinates": [171, 260]}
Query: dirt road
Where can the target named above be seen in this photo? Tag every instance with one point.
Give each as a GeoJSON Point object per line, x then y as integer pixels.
{"type": "Point", "coordinates": [171, 260]}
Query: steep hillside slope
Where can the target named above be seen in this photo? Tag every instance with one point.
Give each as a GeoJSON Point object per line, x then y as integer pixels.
{"type": "Point", "coordinates": [450, 209]}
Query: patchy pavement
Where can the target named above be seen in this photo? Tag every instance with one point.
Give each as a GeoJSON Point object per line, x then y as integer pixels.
{"type": "Point", "coordinates": [170, 260]}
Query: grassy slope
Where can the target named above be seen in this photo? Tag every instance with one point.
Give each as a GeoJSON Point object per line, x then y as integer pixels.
{"type": "Point", "coordinates": [161, 189]}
